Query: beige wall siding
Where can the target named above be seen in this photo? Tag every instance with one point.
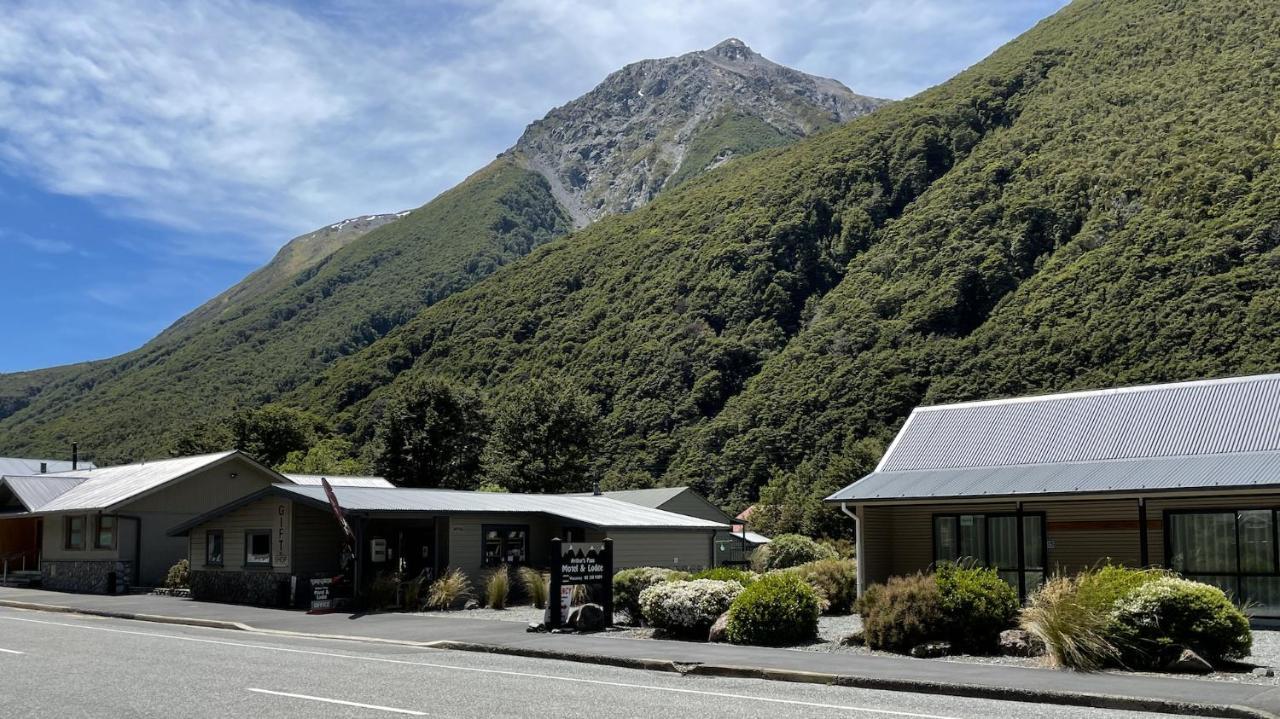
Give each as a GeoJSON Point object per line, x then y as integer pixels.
{"type": "Point", "coordinates": [878, 539]}
{"type": "Point", "coordinates": [54, 543]}
{"type": "Point", "coordinates": [689, 550]}
{"type": "Point", "coordinates": [205, 490]}
{"type": "Point", "coordinates": [466, 540]}
{"type": "Point", "coordinates": [257, 515]}
{"type": "Point", "coordinates": [691, 504]}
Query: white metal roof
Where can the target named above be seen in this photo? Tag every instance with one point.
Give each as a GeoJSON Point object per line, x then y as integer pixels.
{"type": "Point", "coordinates": [655, 497]}
{"type": "Point", "coordinates": [35, 491]}
{"type": "Point", "coordinates": [22, 467]}
{"type": "Point", "coordinates": [339, 481]}
{"type": "Point", "coordinates": [591, 510]}
{"type": "Point", "coordinates": [107, 487]}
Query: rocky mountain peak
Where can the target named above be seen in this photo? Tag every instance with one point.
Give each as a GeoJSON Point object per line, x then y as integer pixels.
{"type": "Point", "coordinates": [656, 123]}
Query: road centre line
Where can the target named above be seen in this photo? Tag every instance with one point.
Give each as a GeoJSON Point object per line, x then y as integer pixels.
{"type": "Point", "coordinates": [501, 672]}
{"type": "Point", "coordinates": [308, 697]}
{"type": "Point", "coordinates": [10, 651]}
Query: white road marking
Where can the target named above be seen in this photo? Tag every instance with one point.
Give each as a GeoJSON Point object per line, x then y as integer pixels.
{"type": "Point", "coordinates": [10, 651]}
{"type": "Point", "coordinates": [503, 672]}
{"type": "Point", "coordinates": [308, 697]}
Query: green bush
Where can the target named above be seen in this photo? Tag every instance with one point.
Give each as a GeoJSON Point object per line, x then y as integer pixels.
{"type": "Point", "coordinates": [1161, 617]}
{"type": "Point", "coordinates": [978, 605]}
{"type": "Point", "coordinates": [179, 576]}
{"type": "Point", "coordinates": [687, 608]}
{"type": "Point", "coordinates": [451, 589]}
{"type": "Point", "coordinates": [777, 610]}
{"type": "Point", "coordinates": [789, 550]}
{"type": "Point", "coordinates": [903, 612]}
{"type": "Point", "coordinates": [382, 592]}
{"type": "Point", "coordinates": [728, 574]}
{"type": "Point", "coordinates": [835, 581]}
{"type": "Point", "coordinates": [629, 583]}
{"type": "Point", "coordinates": [1099, 589]}
{"type": "Point", "coordinates": [497, 588]}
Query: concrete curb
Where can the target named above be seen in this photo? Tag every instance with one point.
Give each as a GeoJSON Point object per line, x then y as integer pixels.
{"type": "Point", "coordinates": [973, 691]}
{"type": "Point", "coordinates": [156, 618]}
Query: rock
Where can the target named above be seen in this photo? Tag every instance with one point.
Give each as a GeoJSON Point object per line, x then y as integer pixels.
{"type": "Point", "coordinates": [587, 618]}
{"type": "Point", "coordinates": [856, 639]}
{"type": "Point", "coordinates": [1263, 672]}
{"type": "Point", "coordinates": [718, 628]}
{"type": "Point", "coordinates": [930, 650]}
{"type": "Point", "coordinates": [471, 604]}
{"type": "Point", "coordinates": [1188, 662]}
{"type": "Point", "coordinates": [536, 627]}
{"type": "Point", "coordinates": [1019, 643]}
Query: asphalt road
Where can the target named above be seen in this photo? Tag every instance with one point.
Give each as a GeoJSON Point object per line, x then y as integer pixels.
{"type": "Point", "coordinates": [72, 666]}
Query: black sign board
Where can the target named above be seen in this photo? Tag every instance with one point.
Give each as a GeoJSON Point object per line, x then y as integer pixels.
{"type": "Point", "coordinates": [580, 564]}
{"type": "Point", "coordinates": [328, 593]}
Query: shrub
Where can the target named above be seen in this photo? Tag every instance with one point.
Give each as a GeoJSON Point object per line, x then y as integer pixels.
{"type": "Point", "coordinates": [903, 612]}
{"type": "Point", "coordinates": [629, 583]}
{"type": "Point", "coordinates": [382, 592]}
{"type": "Point", "coordinates": [777, 610]}
{"type": "Point", "coordinates": [452, 588]}
{"type": "Point", "coordinates": [497, 588]}
{"type": "Point", "coordinates": [687, 608]}
{"type": "Point", "coordinates": [1101, 588]}
{"type": "Point", "coordinates": [1172, 613]}
{"type": "Point", "coordinates": [535, 586]}
{"type": "Point", "coordinates": [179, 576]}
{"type": "Point", "coordinates": [728, 574]}
{"type": "Point", "coordinates": [978, 605]}
{"type": "Point", "coordinates": [789, 550]}
{"type": "Point", "coordinates": [835, 581]}
{"type": "Point", "coordinates": [1073, 632]}
{"type": "Point", "coordinates": [843, 548]}
{"type": "Point", "coordinates": [413, 594]}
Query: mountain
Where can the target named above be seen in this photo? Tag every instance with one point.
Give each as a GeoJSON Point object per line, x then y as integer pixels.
{"type": "Point", "coordinates": [1097, 203]}
{"type": "Point", "coordinates": [656, 123]}
{"type": "Point", "coordinates": [333, 292]}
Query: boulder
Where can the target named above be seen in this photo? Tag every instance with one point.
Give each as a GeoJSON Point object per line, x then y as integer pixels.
{"type": "Point", "coordinates": [718, 629]}
{"type": "Point", "coordinates": [1188, 662]}
{"type": "Point", "coordinates": [855, 639]}
{"type": "Point", "coordinates": [930, 650]}
{"type": "Point", "coordinates": [471, 604]}
{"type": "Point", "coordinates": [536, 627]}
{"type": "Point", "coordinates": [1264, 672]}
{"type": "Point", "coordinates": [587, 618]}
{"type": "Point", "coordinates": [1019, 643]}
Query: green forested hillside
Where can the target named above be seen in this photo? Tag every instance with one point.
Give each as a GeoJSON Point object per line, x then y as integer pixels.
{"type": "Point", "coordinates": [1096, 203]}
{"type": "Point", "coordinates": [133, 406]}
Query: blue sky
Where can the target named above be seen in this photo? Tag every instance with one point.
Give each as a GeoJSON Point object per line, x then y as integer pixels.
{"type": "Point", "coordinates": [152, 154]}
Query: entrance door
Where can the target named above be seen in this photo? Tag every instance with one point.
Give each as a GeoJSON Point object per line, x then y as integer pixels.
{"type": "Point", "coordinates": [417, 547]}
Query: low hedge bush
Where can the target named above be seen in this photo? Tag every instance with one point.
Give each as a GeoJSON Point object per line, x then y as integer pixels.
{"type": "Point", "coordinates": [966, 606]}
{"type": "Point", "coordinates": [728, 574]}
{"type": "Point", "coordinates": [835, 581]}
{"type": "Point", "coordinates": [629, 583]}
{"type": "Point", "coordinates": [777, 610]}
{"type": "Point", "coordinates": [687, 608]}
{"type": "Point", "coordinates": [978, 604]}
{"type": "Point", "coordinates": [1160, 618]}
{"type": "Point", "coordinates": [901, 613]}
{"type": "Point", "coordinates": [789, 550]}
{"type": "Point", "coordinates": [179, 575]}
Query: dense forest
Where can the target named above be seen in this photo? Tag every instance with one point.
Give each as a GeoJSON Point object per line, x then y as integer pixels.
{"type": "Point", "coordinates": [1097, 203]}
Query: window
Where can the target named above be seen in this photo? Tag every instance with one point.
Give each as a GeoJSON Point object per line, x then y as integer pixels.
{"type": "Point", "coordinates": [991, 540]}
{"type": "Point", "coordinates": [257, 547]}
{"type": "Point", "coordinates": [505, 544]}
{"type": "Point", "coordinates": [213, 548]}
{"type": "Point", "coordinates": [104, 536]}
{"type": "Point", "coordinates": [75, 532]}
{"type": "Point", "coordinates": [1231, 549]}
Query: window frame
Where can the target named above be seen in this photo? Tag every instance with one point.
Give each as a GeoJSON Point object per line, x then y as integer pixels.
{"type": "Point", "coordinates": [484, 538]}
{"type": "Point", "coordinates": [66, 532]}
{"type": "Point", "coordinates": [209, 534]}
{"type": "Point", "coordinates": [985, 561]}
{"type": "Point", "coordinates": [1237, 577]}
{"type": "Point", "coordinates": [248, 542]}
{"type": "Point", "coordinates": [97, 531]}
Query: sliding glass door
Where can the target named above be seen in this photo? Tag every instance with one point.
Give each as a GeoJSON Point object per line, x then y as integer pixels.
{"type": "Point", "coordinates": [993, 540]}
{"type": "Point", "coordinates": [1232, 549]}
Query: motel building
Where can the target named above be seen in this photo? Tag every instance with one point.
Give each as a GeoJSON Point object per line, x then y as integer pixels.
{"type": "Point", "coordinates": [1184, 476]}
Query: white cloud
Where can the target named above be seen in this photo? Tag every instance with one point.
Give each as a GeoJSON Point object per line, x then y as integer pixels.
{"type": "Point", "coordinates": [255, 120]}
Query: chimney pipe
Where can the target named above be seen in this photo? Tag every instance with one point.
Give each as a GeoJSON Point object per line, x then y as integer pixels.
{"type": "Point", "coordinates": [44, 467]}
{"type": "Point", "coordinates": [75, 456]}
{"type": "Point", "coordinates": [595, 489]}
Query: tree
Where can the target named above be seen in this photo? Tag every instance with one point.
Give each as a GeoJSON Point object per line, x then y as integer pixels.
{"type": "Point", "coordinates": [432, 434]}
{"type": "Point", "coordinates": [792, 501]}
{"type": "Point", "coordinates": [331, 455]}
{"type": "Point", "coordinates": [545, 436]}
{"type": "Point", "coordinates": [270, 432]}
{"type": "Point", "coordinates": [202, 437]}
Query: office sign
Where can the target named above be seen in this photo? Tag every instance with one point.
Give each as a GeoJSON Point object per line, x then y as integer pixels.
{"type": "Point", "coordinates": [581, 564]}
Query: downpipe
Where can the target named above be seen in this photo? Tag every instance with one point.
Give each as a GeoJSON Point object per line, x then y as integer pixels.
{"type": "Point", "coordinates": [857, 544]}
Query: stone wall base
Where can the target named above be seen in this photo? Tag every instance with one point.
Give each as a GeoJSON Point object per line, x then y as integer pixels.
{"type": "Point", "coordinates": [86, 576]}
{"type": "Point", "coordinates": [262, 589]}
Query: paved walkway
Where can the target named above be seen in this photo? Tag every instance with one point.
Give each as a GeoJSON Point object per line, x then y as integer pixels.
{"type": "Point", "coordinates": [959, 678]}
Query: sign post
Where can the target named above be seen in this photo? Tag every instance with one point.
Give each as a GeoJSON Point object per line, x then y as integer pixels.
{"type": "Point", "coordinates": [575, 564]}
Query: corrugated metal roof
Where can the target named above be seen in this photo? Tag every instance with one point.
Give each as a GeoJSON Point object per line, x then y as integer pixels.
{"type": "Point", "coordinates": [595, 511]}
{"type": "Point", "coordinates": [37, 490]}
{"type": "Point", "coordinates": [654, 497]}
{"type": "Point", "coordinates": [313, 480]}
{"type": "Point", "coordinates": [20, 467]}
{"type": "Point", "coordinates": [1243, 470]}
{"type": "Point", "coordinates": [1188, 418]}
{"type": "Point", "coordinates": [108, 486]}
